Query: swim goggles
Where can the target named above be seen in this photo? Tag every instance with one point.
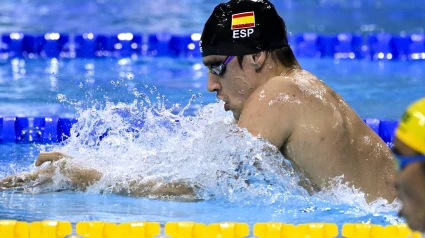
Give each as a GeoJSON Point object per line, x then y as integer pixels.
{"type": "Point", "coordinates": [403, 161]}
{"type": "Point", "coordinates": [219, 68]}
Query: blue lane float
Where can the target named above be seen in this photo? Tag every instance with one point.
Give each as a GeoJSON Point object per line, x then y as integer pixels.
{"type": "Point", "coordinates": [35, 130]}
{"type": "Point", "coordinates": [48, 130]}
{"type": "Point", "coordinates": [379, 46]}
{"type": "Point", "coordinates": [91, 45]}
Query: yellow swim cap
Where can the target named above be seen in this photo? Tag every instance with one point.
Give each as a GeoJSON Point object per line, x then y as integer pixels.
{"type": "Point", "coordinates": [411, 129]}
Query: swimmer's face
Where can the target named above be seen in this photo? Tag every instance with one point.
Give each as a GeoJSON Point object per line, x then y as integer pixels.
{"type": "Point", "coordinates": [410, 186]}
{"type": "Point", "coordinates": [234, 85]}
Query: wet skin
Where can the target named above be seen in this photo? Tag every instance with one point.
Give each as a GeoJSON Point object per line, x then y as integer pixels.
{"type": "Point", "coordinates": [309, 122]}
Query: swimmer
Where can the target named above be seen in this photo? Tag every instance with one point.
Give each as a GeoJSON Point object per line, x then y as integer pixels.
{"type": "Point", "coordinates": [253, 70]}
{"type": "Point", "coordinates": [409, 151]}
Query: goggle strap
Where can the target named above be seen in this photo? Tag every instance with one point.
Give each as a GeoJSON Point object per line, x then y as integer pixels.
{"type": "Point", "coordinates": [228, 59]}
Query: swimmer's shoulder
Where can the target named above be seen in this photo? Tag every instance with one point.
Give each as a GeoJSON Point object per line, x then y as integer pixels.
{"type": "Point", "coordinates": [292, 82]}
{"type": "Point", "coordinates": [302, 83]}
{"type": "Point", "coordinates": [296, 77]}
{"type": "Point", "coordinates": [278, 92]}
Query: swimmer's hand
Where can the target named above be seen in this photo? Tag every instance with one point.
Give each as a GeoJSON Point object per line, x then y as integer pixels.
{"type": "Point", "coordinates": [27, 180]}
{"type": "Point", "coordinates": [50, 157]}
{"type": "Point", "coordinates": [79, 178]}
{"type": "Point", "coordinates": [39, 177]}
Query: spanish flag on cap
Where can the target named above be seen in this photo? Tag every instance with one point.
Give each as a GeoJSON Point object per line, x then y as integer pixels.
{"type": "Point", "coordinates": [243, 20]}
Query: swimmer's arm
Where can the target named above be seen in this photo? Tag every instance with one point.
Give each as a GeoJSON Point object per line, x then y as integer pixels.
{"type": "Point", "coordinates": [271, 121]}
{"type": "Point", "coordinates": [80, 178]}
{"type": "Point", "coordinates": [50, 157]}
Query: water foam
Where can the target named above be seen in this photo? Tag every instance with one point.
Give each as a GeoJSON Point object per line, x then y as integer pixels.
{"type": "Point", "coordinates": [145, 141]}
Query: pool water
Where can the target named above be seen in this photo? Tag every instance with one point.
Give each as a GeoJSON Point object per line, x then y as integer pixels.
{"type": "Point", "coordinates": [379, 89]}
{"type": "Point", "coordinates": [202, 149]}
{"type": "Point", "coordinates": [93, 90]}
{"type": "Point", "coordinates": [111, 94]}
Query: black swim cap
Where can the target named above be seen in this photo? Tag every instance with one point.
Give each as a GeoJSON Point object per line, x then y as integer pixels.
{"type": "Point", "coordinates": [242, 27]}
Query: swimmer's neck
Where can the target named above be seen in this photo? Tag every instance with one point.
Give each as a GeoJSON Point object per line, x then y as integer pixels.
{"type": "Point", "coordinates": [273, 69]}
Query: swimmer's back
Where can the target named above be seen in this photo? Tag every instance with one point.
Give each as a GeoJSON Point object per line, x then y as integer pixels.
{"type": "Point", "coordinates": [323, 135]}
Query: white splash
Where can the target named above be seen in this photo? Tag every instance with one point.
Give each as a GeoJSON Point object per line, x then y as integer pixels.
{"type": "Point", "coordinates": [145, 141]}
{"type": "Point", "coordinates": [342, 193]}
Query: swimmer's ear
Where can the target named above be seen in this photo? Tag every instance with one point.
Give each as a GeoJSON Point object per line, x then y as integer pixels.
{"type": "Point", "coordinates": [258, 60]}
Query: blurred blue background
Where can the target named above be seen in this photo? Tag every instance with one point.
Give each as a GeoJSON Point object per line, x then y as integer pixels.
{"type": "Point", "coordinates": [373, 87]}
{"type": "Point", "coordinates": [187, 16]}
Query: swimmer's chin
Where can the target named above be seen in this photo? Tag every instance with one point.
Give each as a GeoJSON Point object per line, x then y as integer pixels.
{"type": "Point", "coordinates": [226, 106]}
{"type": "Point", "coordinates": [236, 116]}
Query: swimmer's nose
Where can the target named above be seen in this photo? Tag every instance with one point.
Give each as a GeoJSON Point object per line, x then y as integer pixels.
{"type": "Point", "coordinates": [213, 84]}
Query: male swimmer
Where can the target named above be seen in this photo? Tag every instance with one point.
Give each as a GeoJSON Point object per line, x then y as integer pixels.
{"type": "Point", "coordinates": [253, 70]}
